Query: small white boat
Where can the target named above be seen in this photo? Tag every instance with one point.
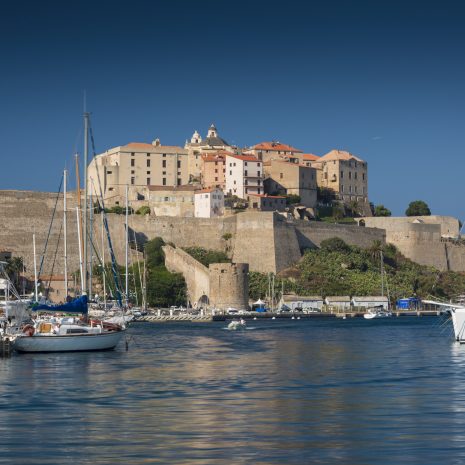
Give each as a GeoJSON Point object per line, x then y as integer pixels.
{"type": "Point", "coordinates": [377, 312]}
{"type": "Point", "coordinates": [235, 325]}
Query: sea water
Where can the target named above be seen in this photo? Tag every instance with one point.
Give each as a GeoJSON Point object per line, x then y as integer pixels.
{"type": "Point", "coordinates": [387, 391]}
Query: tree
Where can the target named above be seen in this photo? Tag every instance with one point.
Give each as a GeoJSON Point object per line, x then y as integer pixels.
{"type": "Point", "coordinates": [154, 252]}
{"type": "Point", "coordinates": [418, 208]}
{"type": "Point", "coordinates": [334, 244]}
{"type": "Point", "coordinates": [292, 199]}
{"type": "Point", "coordinates": [381, 210]}
{"type": "Point", "coordinates": [144, 210]}
{"type": "Point", "coordinates": [353, 208]}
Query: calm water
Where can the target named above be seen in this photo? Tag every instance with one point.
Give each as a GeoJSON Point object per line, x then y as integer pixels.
{"type": "Point", "coordinates": [347, 392]}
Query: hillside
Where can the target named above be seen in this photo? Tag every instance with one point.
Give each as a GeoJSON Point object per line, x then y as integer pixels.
{"type": "Point", "coordinates": [340, 269]}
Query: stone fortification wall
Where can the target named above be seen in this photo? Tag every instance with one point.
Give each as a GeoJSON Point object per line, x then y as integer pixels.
{"type": "Point", "coordinates": [229, 285]}
{"type": "Point", "coordinates": [311, 234]}
{"type": "Point", "coordinates": [197, 276]}
{"type": "Point", "coordinates": [222, 285]}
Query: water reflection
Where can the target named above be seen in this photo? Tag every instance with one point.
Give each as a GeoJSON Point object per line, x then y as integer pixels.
{"type": "Point", "coordinates": [320, 392]}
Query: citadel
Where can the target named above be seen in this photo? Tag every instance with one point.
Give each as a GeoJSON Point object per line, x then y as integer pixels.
{"type": "Point", "coordinates": [257, 204]}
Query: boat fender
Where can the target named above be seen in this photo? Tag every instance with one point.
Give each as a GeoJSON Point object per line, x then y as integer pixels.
{"type": "Point", "coordinates": [29, 330]}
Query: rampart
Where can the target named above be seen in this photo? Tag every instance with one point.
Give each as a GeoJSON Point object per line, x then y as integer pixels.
{"type": "Point", "coordinates": [265, 240]}
{"type": "Point", "coordinates": [221, 285]}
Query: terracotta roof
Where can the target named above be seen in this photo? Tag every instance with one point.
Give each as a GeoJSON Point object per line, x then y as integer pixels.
{"type": "Point", "coordinates": [187, 187]}
{"type": "Point", "coordinates": [339, 155]}
{"type": "Point", "coordinates": [215, 156]}
{"type": "Point", "coordinates": [266, 196]}
{"type": "Point", "coordinates": [276, 146]}
{"type": "Point", "coordinates": [244, 157]}
{"type": "Point", "coordinates": [310, 157]}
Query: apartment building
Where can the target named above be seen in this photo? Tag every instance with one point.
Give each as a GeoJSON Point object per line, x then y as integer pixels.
{"type": "Point", "coordinates": [213, 169]}
{"type": "Point", "coordinates": [286, 178]}
{"type": "Point", "coordinates": [345, 174]}
{"type": "Point", "coordinates": [244, 175]}
{"type": "Point", "coordinates": [137, 165]}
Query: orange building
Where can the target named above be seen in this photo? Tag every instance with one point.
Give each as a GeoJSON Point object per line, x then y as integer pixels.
{"type": "Point", "coordinates": [213, 169]}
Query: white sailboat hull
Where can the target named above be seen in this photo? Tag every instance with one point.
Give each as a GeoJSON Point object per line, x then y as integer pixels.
{"type": "Point", "coordinates": [68, 343]}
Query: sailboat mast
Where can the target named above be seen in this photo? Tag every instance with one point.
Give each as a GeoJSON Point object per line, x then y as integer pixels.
{"type": "Point", "coordinates": [91, 230]}
{"type": "Point", "coordinates": [81, 271]}
{"type": "Point", "coordinates": [127, 243]}
{"type": "Point", "coordinates": [84, 232]}
{"type": "Point", "coordinates": [103, 266]}
{"type": "Point", "coordinates": [35, 267]}
{"type": "Point", "coordinates": [65, 245]}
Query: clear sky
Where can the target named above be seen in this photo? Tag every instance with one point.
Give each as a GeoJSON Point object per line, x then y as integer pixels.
{"type": "Point", "coordinates": [384, 80]}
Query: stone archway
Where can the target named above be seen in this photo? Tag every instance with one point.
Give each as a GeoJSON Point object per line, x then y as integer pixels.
{"type": "Point", "coordinates": [203, 302]}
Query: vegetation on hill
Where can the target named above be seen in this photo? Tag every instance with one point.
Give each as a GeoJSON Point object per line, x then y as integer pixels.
{"type": "Point", "coordinates": [381, 210]}
{"type": "Point", "coordinates": [206, 257]}
{"type": "Point", "coordinates": [340, 269]}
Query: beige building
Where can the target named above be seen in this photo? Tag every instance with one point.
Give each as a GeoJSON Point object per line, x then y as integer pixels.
{"type": "Point", "coordinates": [244, 175]}
{"type": "Point", "coordinates": [213, 169]}
{"type": "Point", "coordinates": [287, 178]}
{"type": "Point", "coordinates": [209, 203]}
{"type": "Point", "coordinates": [172, 201]}
{"type": "Point", "coordinates": [345, 174]}
{"type": "Point", "coordinates": [267, 203]}
{"type": "Point", "coordinates": [137, 165]}
{"type": "Point", "coordinates": [267, 151]}
{"type": "Point", "coordinates": [198, 146]}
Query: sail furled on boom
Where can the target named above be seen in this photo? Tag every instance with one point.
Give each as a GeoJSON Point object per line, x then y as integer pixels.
{"type": "Point", "coordinates": [78, 305]}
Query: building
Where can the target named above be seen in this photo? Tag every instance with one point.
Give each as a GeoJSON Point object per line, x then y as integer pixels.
{"type": "Point", "coordinates": [136, 165]}
{"type": "Point", "coordinates": [346, 175]}
{"type": "Point", "coordinates": [209, 203]}
{"type": "Point", "coordinates": [291, 302]}
{"type": "Point", "coordinates": [370, 302]}
{"type": "Point", "coordinates": [267, 203]}
{"type": "Point", "coordinates": [213, 169]}
{"type": "Point", "coordinates": [172, 201]}
{"type": "Point", "coordinates": [308, 158]}
{"type": "Point", "coordinates": [267, 151]}
{"type": "Point", "coordinates": [286, 178]}
{"type": "Point", "coordinates": [338, 302]}
{"type": "Point", "coordinates": [198, 146]}
{"type": "Point", "coordinates": [244, 175]}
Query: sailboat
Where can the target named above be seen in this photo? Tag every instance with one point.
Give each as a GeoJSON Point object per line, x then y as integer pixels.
{"type": "Point", "coordinates": [379, 311]}
{"type": "Point", "coordinates": [69, 334]}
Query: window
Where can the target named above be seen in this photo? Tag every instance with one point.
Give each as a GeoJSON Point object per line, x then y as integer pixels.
{"type": "Point", "coordinates": [179, 163]}
{"type": "Point", "coordinates": [148, 181]}
{"type": "Point", "coordinates": [110, 189]}
{"type": "Point", "coordinates": [163, 164]}
{"type": "Point", "coordinates": [350, 174]}
{"type": "Point", "coordinates": [258, 174]}
{"type": "Point", "coordinates": [133, 162]}
{"type": "Point", "coordinates": [132, 171]}
{"type": "Point", "coordinates": [132, 154]}
{"type": "Point", "coordinates": [342, 188]}
{"type": "Point", "coordinates": [133, 179]}
{"type": "Point", "coordinates": [246, 182]}
{"type": "Point", "coordinates": [148, 172]}
{"type": "Point", "coordinates": [148, 154]}
{"type": "Point", "coordinates": [164, 181]}
{"type": "Point", "coordinates": [350, 189]}
{"type": "Point", "coordinates": [164, 173]}
{"type": "Point", "coordinates": [281, 175]}
{"type": "Point", "coordinates": [164, 155]}
{"type": "Point", "coordinates": [342, 174]}
{"type": "Point", "coordinates": [148, 163]}
{"type": "Point", "coordinates": [245, 173]}
{"type": "Point", "coordinates": [246, 190]}
{"type": "Point", "coordinates": [355, 189]}
{"type": "Point", "coordinates": [259, 190]}
{"type": "Point", "coordinates": [258, 182]}
{"type": "Point", "coordinates": [109, 172]}
{"type": "Point", "coordinates": [216, 179]}
{"type": "Point", "coordinates": [167, 199]}
{"type": "Point", "coordinates": [230, 173]}
{"type": "Point", "coordinates": [216, 171]}
{"type": "Point", "coordinates": [245, 163]}
{"type": "Point", "coordinates": [355, 175]}
{"type": "Point", "coordinates": [179, 181]}
{"type": "Point", "coordinates": [363, 176]}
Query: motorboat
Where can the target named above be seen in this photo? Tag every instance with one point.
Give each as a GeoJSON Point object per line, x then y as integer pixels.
{"type": "Point", "coordinates": [235, 325]}
{"type": "Point", "coordinates": [377, 312]}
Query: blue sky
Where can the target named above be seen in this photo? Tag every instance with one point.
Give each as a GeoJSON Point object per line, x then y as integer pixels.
{"type": "Point", "coordinates": [384, 80]}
